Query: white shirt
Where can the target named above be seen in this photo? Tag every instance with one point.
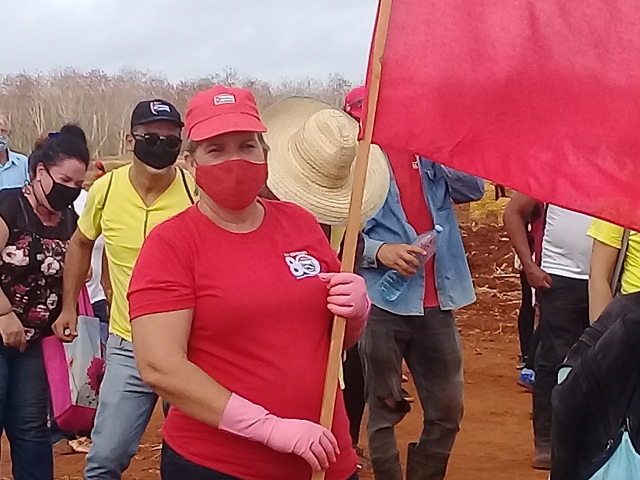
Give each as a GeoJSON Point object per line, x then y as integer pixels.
{"type": "Point", "coordinates": [94, 285]}
{"type": "Point", "coordinates": [566, 248]}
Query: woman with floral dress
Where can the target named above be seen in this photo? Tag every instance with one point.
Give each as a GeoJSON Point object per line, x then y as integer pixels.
{"type": "Point", "coordinates": [36, 223]}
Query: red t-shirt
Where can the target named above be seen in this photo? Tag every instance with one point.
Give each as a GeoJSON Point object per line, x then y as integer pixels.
{"type": "Point", "coordinates": [406, 171]}
{"type": "Point", "coordinates": [261, 328]}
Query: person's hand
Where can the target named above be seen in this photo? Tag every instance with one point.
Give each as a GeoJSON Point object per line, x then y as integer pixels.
{"type": "Point", "coordinates": [308, 440]}
{"type": "Point", "coordinates": [401, 257]}
{"type": "Point", "coordinates": [537, 277]}
{"type": "Point", "coordinates": [348, 297]}
{"type": "Point", "coordinates": [66, 326]}
{"type": "Point", "coordinates": [12, 332]}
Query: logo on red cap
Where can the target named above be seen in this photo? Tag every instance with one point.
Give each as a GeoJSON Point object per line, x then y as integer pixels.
{"type": "Point", "coordinates": [224, 99]}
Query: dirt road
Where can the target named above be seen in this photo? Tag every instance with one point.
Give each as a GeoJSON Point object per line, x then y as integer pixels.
{"type": "Point", "coordinates": [494, 444]}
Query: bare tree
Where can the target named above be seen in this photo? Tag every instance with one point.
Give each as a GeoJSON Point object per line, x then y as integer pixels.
{"type": "Point", "coordinates": [101, 104]}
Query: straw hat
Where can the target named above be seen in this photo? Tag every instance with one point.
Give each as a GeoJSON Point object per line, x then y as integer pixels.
{"type": "Point", "coordinates": [313, 150]}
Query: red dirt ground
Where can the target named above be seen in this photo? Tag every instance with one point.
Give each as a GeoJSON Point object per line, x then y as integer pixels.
{"type": "Point", "coordinates": [496, 441]}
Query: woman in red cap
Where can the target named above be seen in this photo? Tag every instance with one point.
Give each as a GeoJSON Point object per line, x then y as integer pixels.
{"type": "Point", "coordinates": [231, 303]}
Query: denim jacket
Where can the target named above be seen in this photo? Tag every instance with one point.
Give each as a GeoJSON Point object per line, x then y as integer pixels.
{"type": "Point", "coordinates": [442, 187]}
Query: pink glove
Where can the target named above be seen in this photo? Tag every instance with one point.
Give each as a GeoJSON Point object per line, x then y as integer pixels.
{"type": "Point", "coordinates": [314, 443]}
{"type": "Point", "coordinates": [348, 299]}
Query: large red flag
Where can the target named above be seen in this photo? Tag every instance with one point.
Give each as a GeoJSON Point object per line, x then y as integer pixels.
{"type": "Point", "coordinates": [539, 95]}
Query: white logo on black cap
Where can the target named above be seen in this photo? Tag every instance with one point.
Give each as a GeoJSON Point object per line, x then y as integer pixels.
{"type": "Point", "coordinates": [158, 107]}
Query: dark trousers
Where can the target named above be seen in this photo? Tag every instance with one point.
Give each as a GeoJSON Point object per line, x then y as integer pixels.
{"type": "Point", "coordinates": [175, 467]}
{"type": "Point", "coordinates": [24, 407]}
{"type": "Point", "coordinates": [533, 348]}
{"type": "Point", "coordinates": [101, 310]}
{"type": "Point", "coordinates": [354, 392]}
{"type": "Point", "coordinates": [526, 317]}
{"type": "Point", "coordinates": [564, 316]}
{"type": "Point", "coordinates": [431, 346]}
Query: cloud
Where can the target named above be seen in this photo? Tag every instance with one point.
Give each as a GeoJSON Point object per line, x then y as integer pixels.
{"type": "Point", "coordinates": [268, 39]}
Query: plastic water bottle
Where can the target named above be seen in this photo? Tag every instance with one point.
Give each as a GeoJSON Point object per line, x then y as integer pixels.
{"type": "Point", "coordinates": [394, 283]}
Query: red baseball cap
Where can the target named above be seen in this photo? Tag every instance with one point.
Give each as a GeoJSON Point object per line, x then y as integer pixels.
{"type": "Point", "coordinates": [222, 110]}
{"type": "Point", "coordinates": [354, 101]}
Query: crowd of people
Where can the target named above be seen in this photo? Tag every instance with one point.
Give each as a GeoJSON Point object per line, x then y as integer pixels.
{"type": "Point", "coordinates": [572, 268]}
{"type": "Point", "coordinates": [219, 282]}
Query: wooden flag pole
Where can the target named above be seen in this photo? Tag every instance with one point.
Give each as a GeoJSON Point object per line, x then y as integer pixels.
{"type": "Point", "coordinates": [353, 221]}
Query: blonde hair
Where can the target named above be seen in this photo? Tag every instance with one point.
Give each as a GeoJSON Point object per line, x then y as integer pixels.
{"type": "Point", "coordinates": [191, 146]}
{"type": "Point", "coordinates": [4, 120]}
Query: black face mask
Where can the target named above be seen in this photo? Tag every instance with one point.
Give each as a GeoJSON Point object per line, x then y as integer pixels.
{"type": "Point", "coordinates": [158, 157]}
{"type": "Point", "coordinates": [60, 196]}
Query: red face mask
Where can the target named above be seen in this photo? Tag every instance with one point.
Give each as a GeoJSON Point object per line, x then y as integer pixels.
{"type": "Point", "coordinates": [233, 184]}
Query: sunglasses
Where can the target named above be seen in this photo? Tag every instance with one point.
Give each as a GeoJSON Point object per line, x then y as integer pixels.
{"type": "Point", "coordinates": [152, 140]}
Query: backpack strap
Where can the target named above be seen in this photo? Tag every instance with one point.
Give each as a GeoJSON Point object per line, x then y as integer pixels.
{"type": "Point", "coordinates": [23, 209]}
{"type": "Point", "coordinates": [617, 272]}
{"type": "Point", "coordinates": [186, 186]}
{"type": "Point", "coordinates": [106, 193]}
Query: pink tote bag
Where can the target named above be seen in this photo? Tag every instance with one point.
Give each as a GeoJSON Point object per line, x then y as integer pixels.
{"type": "Point", "coordinates": [75, 371]}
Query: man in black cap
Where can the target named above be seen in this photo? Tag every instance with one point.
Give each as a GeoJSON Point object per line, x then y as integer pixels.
{"type": "Point", "coordinates": [124, 206]}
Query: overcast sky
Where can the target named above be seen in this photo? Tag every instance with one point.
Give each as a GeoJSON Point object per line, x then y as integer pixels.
{"type": "Point", "coordinates": [268, 39]}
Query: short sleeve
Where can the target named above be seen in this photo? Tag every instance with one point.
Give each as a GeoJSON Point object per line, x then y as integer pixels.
{"type": "Point", "coordinates": [324, 245]}
{"type": "Point", "coordinates": [163, 277]}
{"type": "Point", "coordinates": [9, 207]}
{"type": "Point", "coordinates": [332, 258]}
{"type": "Point", "coordinates": [303, 221]}
{"type": "Point", "coordinates": [90, 222]}
{"type": "Point", "coordinates": [606, 233]}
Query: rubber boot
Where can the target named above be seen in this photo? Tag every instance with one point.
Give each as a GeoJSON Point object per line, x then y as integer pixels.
{"type": "Point", "coordinates": [422, 467]}
{"type": "Point", "coordinates": [387, 468]}
{"type": "Point", "coordinates": [542, 456]}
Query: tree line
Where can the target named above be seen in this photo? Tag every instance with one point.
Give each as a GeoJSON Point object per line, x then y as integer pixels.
{"type": "Point", "coordinates": [101, 103]}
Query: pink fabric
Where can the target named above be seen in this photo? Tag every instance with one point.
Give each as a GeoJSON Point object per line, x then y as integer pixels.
{"type": "Point", "coordinates": [314, 443]}
{"type": "Point", "coordinates": [538, 95]}
{"type": "Point", "coordinates": [69, 416]}
{"type": "Point", "coordinates": [84, 303]}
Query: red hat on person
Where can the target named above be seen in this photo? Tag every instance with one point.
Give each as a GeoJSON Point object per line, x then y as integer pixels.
{"type": "Point", "coordinates": [102, 171]}
{"type": "Point", "coordinates": [222, 110]}
{"type": "Point", "coordinates": [354, 101]}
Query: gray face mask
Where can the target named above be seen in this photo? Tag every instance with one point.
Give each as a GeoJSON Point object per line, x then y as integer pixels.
{"type": "Point", "coordinates": [4, 143]}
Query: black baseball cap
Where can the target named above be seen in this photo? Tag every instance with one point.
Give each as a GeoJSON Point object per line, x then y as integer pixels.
{"type": "Point", "coordinates": [149, 111]}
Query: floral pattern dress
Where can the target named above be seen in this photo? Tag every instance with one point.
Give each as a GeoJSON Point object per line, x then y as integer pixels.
{"type": "Point", "coordinates": [32, 262]}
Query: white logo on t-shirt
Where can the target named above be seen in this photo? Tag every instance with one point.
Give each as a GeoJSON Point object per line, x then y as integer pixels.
{"type": "Point", "coordinates": [302, 265]}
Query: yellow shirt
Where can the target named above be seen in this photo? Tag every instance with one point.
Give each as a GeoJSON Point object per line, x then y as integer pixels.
{"type": "Point", "coordinates": [337, 233]}
{"type": "Point", "coordinates": [611, 235]}
{"type": "Point", "coordinates": [115, 209]}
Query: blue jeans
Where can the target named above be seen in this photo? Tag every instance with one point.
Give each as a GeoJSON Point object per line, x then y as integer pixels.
{"type": "Point", "coordinates": [24, 407]}
{"type": "Point", "coordinates": [175, 467]}
{"type": "Point", "coordinates": [125, 408]}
